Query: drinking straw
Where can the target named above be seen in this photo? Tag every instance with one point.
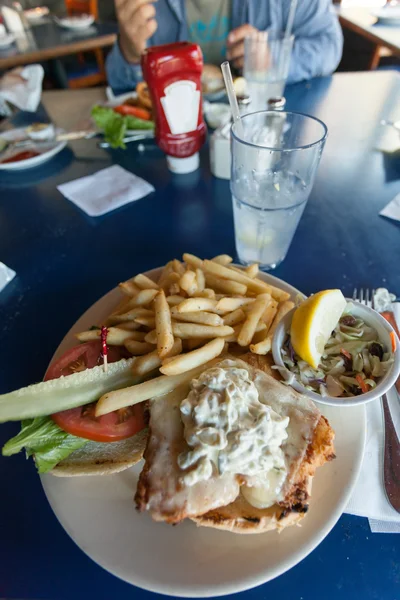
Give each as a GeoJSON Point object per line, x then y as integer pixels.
{"type": "Point", "coordinates": [287, 34]}
{"type": "Point", "coordinates": [290, 21]}
{"type": "Point", "coordinates": [226, 72]}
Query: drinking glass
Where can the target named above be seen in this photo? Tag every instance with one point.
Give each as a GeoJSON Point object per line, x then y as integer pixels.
{"type": "Point", "coordinates": [274, 162]}
{"type": "Point", "coordinates": [266, 66]}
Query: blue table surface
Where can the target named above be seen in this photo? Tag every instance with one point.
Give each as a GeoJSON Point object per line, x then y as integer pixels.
{"type": "Point", "coordinates": [66, 260]}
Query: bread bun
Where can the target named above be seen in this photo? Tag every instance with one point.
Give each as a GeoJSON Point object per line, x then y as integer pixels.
{"type": "Point", "coordinates": [211, 79]}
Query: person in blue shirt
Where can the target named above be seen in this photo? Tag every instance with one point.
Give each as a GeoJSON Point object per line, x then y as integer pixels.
{"type": "Point", "coordinates": [219, 27]}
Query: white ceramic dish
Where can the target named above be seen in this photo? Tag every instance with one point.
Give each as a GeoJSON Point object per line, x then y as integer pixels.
{"type": "Point", "coordinates": [369, 316]}
{"type": "Point", "coordinates": [36, 14]}
{"type": "Point", "coordinates": [99, 515]}
{"type": "Point", "coordinates": [6, 40]}
{"type": "Point", "coordinates": [389, 15]}
{"type": "Point", "coordinates": [217, 114]}
{"type": "Point", "coordinates": [46, 132]}
{"type": "Point", "coordinates": [78, 22]}
{"type": "Point", "coordinates": [46, 152]}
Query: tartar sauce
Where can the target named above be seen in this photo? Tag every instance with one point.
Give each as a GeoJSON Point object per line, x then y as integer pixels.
{"type": "Point", "coordinates": [228, 429]}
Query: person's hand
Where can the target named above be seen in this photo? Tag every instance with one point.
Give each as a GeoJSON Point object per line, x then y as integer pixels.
{"type": "Point", "coordinates": [235, 44]}
{"type": "Point", "coordinates": [136, 25]}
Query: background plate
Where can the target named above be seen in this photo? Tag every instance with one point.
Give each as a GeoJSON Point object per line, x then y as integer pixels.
{"type": "Point", "coordinates": [99, 514]}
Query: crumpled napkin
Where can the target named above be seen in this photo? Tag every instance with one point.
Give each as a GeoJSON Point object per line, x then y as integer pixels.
{"type": "Point", "coordinates": [106, 190]}
{"type": "Point", "coordinates": [368, 498]}
{"type": "Point", "coordinates": [22, 88]}
{"type": "Point", "coordinates": [392, 210]}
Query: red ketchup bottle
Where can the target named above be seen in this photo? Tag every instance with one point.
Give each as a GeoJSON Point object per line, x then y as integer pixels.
{"type": "Point", "coordinates": [173, 74]}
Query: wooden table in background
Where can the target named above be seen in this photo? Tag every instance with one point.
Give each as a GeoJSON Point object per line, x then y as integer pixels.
{"type": "Point", "coordinates": [49, 41]}
{"type": "Point", "coordinates": [362, 22]}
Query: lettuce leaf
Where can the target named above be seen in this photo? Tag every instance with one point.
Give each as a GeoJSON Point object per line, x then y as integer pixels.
{"type": "Point", "coordinates": [136, 123]}
{"type": "Point", "coordinates": [43, 438]}
{"type": "Point", "coordinates": [115, 125]}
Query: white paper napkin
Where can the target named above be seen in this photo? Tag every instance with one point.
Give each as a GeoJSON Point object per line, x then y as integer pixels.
{"type": "Point", "coordinates": [6, 275]}
{"type": "Point", "coordinates": [392, 210]}
{"type": "Point", "coordinates": [23, 87]}
{"type": "Point", "coordinates": [105, 190]}
{"type": "Point", "coordinates": [369, 499]}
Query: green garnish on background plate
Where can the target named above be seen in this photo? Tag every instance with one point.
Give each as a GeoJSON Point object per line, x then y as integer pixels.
{"type": "Point", "coordinates": [115, 126]}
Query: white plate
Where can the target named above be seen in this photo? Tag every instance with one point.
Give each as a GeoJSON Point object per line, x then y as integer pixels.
{"type": "Point", "coordinates": [6, 40]}
{"type": "Point", "coordinates": [82, 22]}
{"type": "Point", "coordinates": [99, 515]}
{"type": "Point", "coordinates": [36, 14]}
{"type": "Point", "coordinates": [388, 16]}
{"type": "Point", "coordinates": [45, 154]}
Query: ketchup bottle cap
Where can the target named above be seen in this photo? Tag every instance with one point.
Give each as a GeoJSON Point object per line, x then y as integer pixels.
{"type": "Point", "coordinates": [183, 165]}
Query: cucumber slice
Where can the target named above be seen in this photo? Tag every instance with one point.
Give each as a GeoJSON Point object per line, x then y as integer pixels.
{"type": "Point", "coordinates": [52, 396]}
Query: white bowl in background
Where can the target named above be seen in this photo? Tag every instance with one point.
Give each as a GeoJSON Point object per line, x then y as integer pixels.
{"type": "Point", "coordinates": [370, 317]}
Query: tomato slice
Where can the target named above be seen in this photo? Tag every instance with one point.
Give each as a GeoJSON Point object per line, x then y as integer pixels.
{"type": "Point", "coordinates": [81, 421]}
{"type": "Point", "coordinates": [118, 425]}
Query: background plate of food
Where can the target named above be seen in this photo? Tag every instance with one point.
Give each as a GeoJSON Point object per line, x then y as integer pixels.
{"type": "Point", "coordinates": [99, 512]}
{"type": "Point", "coordinates": [30, 155]}
{"type": "Point", "coordinates": [125, 115]}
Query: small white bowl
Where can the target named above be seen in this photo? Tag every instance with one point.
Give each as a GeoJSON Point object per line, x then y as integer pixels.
{"type": "Point", "coordinates": [41, 131]}
{"type": "Point", "coordinates": [372, 318]}
{"type": "Point", "coordinates": [217, 114]}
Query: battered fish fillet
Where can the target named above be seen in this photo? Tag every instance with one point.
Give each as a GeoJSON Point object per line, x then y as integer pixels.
{"type": "Point", "coordinates": [218, 502]}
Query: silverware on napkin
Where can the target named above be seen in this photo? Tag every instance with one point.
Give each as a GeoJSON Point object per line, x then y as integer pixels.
{"type": "Point", "coordinates": [381, 301]}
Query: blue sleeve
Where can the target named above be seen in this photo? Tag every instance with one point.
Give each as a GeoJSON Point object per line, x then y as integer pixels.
{"type": "Point", "coordinates": [318, 41]}
{"type": "Point", "coordinates": [121, 75]}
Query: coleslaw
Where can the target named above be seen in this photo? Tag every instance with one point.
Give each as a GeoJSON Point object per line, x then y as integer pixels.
{"type": "Point", "coordinates": [354, 359]}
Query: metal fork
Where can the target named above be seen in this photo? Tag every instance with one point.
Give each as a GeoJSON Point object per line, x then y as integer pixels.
{"type": "Point", "coordinates": [391, 460]}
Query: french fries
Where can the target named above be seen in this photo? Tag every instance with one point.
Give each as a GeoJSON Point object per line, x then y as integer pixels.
{"type": "Point", "coordinates": [265, 345]}
{"type": "Point", "coordinates": [137, 348]}
{"type": "Point", "coordinates": [131, 315]}
{"type": "Point", "coordinates": [149, 362]}
{"type": "Point", "coordinates": [233, 337]}
{"type": "Point", "coordinates": [115, 336]}
{"type": "Point", "coordinates": [196, 304]}
{"type": "Point", "coordinates": [225, 285]}
{"type": "Point", "coordinates": [252, 270]}
{"type": "Point", "coordinates": [151, 337]}
{"type": "Point", "coordinates": [186, 362]}
{"type": "Point", "coordinates": [174, 300]}
{"type": "Point", "coordinates": [129, 326]}
{"type": "Point", "coordinates": [231, 304]}
{"type": "Point", "coordinates": [193, 261]}
{"type": "Point", "coordinates": [235, 317]}
{"type": "Point", "coordinates": [188, 283]}
{"type": "Point", "coordinates": [255, 285]}
{"type": "Point", "coordinates": [223, 259]}
{"type": "Point", "coordinates": [149, 322]}
{"type": "Point", "coordinates": [144, 282]}
{"type": "Point", "coordinates": [165, 338]}
{"type": "Point", "coordinates": [254, 315]}
{"type": "Point", "coordinates": [178, 267]}
{"type": "Point", "coordinates": [144, 391]}
{"type": "Point", "coordinates": [163, 281]}
{"type": "Point", "coordinates": [201, 280]}
{"type": "Point", "coordinates": [206, 293]}
{"type": "Point", "coordinates": [186, 331]}
{"type": "Point", "coordinates": [186, 319]}
{"type": "Point", "coordinates": [129, 288]}
{"type": "Point", "coordinates": [142, 298]}
{"type": "Point", "coordinates": [200, 316]}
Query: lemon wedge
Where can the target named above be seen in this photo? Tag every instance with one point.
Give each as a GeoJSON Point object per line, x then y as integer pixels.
{"type": "Point", "coordinates": [313, 322]}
